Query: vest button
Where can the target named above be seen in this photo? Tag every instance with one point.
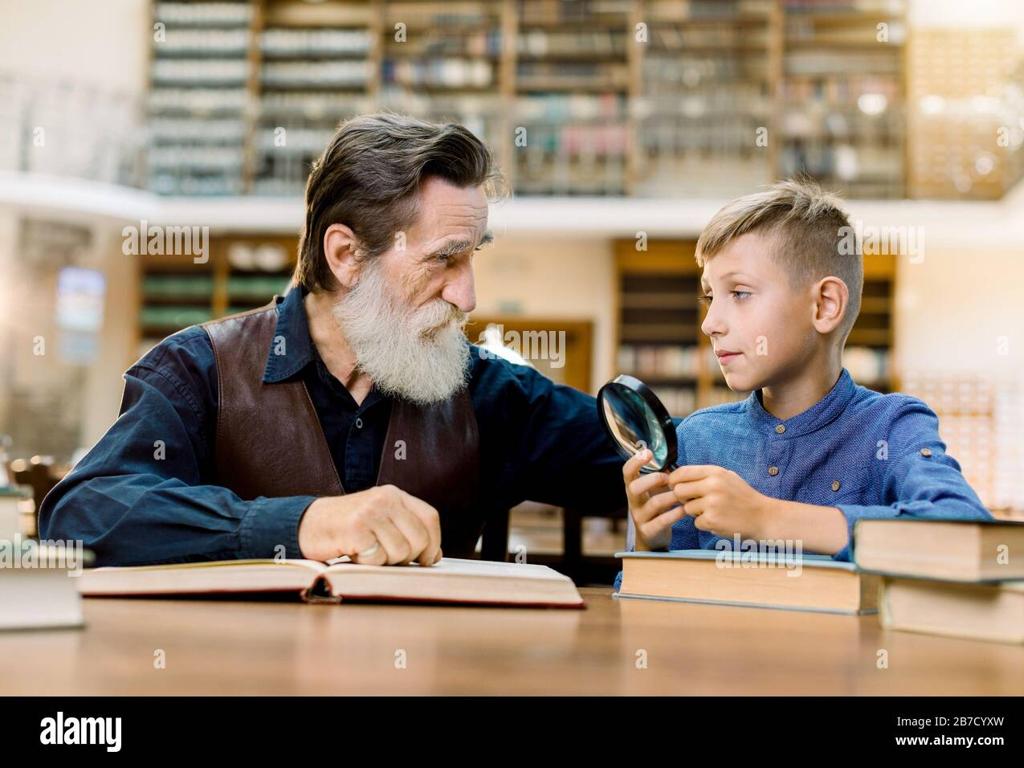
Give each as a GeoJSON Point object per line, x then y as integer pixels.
{"type": "Point", "coordinates": [773, 471]}
{"type": "Point", "coordinates": [926, 452]}
{"type": "Point", "coordinates": [780, 428]}
{"type": "Point", "coordinates": [359, 423]}
{"type": "Point", "coordinates": [835, 485]}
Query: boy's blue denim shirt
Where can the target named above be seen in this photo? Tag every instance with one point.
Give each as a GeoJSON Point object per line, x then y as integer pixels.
{"type": "Point", "coordinates": [873, 456]}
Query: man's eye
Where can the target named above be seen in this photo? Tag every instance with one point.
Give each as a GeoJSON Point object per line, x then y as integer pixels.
{"type": "Point", "coordinates": [704, 298]}
{"type": "Point", "coordinates": [740, 295]}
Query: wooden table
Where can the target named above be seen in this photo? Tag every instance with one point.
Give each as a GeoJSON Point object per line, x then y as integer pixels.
{"type": "Point", "coordinates": [222, 647]}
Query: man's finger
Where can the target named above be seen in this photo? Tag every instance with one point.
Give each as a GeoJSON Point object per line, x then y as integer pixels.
{"type": "Point", "coordinates": [391, 539]}
{"type": "Point", "coordinates": [431, 521]}
{"type": "Point", "coordinates": [415, 532]}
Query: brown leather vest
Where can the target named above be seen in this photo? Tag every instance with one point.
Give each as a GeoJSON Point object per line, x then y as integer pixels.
{"type": "Point", "coordinates": [269, 441]}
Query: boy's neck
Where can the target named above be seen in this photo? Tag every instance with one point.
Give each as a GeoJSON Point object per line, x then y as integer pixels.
{"type": "Point", "coordinates": [787, 399]}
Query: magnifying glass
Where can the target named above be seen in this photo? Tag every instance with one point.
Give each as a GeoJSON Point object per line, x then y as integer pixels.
{"type": "Point", "coordinates": [636, 419]}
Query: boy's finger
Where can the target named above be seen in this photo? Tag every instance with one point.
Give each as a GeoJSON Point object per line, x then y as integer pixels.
{"type": "Point", "coordinates": [657, 524]}
{"type": "Point", "coordinates": [656, 505]}
{"type": "Point", "coordinates": [693, 489]}
{"type": "Point", "coordinates": [691, 472]}
{"type": "Point", "coordinates": [645, 483]}
{"type": "Point", "coordinates": [632, 467]}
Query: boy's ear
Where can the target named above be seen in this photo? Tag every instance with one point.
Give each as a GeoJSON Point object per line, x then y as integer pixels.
{"type": "Point", "coordinates": [832, 301]}
{"type": "Point", "coordinates": [341, 251]}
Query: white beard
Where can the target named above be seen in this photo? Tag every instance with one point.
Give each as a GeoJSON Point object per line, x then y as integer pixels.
{"type": "Point", "coordinates": [421, 355]}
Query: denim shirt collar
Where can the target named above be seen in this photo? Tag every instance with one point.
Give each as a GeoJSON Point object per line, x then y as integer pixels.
{"type": "Point", "coordinates": [824, 412]}
{"type": "Point", "coordinates": [291, 349]}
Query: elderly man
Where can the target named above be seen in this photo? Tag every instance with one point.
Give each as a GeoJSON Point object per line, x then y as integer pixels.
{"type": "Point", "coordinates": [350, 417]}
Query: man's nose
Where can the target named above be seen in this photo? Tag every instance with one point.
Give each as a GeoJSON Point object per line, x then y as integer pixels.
{"type": "Point", "coordinates": [460, 290]}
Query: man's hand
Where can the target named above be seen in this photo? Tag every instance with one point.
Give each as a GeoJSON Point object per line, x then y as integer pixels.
{"type": "Point", "coordinates": [652, 504]}
{"type": "Point", "coordinates": [387, 524]}
{"type": "Point", "coordinates": [721, 501]}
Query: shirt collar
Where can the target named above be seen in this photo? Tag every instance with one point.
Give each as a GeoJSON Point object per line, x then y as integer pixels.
{"type": "Point", "coordinates": [817, 416]}
{"type": "Point", "coordinates": [291, 349]}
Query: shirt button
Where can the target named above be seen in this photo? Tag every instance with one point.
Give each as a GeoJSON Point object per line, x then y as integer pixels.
{"type": "Point", "coordinates": [780, 428]}
{"type": "Point", "coordinates": [926, 451]}
{"type": "Point", "coordinates": [359, 423]}
{"type": "Point", "coordinates": [835, 485]}
{"type": "Point", "coordinates": [773, 471]}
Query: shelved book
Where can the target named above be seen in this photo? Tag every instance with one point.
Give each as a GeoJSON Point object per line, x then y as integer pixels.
{"type": "Point", "coordinates": [960, 578]}
{"type": "Point", "coordinates": [749, 579]}
{"type": "Point", "coordinates": [451, 581]}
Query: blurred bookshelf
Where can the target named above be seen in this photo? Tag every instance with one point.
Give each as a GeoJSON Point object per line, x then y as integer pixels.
{"type": "Point", "coordinates": [843, 95]}
{"type": "Point", "coordinates": [198, 101]}
{"type": "Point", "coordinates": [658, 318]}
{"type": "Point", "coordinates": [315, 67]}
{"type": "Point", "coordinates": [242, 272]}
{"type": "Point", "coordinates": [648, 98]}
{"type": "Point", "coordinates": [709, 78]}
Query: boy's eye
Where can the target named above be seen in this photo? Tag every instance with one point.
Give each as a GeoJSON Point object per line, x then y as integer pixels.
{"type": "Point", "coordinates": [707, 297]}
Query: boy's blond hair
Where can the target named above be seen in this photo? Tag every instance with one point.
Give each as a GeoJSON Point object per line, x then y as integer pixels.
{"type": "Point", "coordinates": [806, 227]}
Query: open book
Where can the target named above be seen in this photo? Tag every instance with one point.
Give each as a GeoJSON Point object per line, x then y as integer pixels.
{"type": "Point", "coordinates": [450, 581]}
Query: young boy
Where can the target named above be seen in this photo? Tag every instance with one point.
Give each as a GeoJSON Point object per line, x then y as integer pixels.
{"type": "Point", "coordinates": [808, 452]}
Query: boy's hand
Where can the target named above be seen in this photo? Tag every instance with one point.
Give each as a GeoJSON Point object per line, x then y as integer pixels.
{"type": "Point", "coordinates": [652, 504]}
{"type": "Point", "coordinates": [721, 501]}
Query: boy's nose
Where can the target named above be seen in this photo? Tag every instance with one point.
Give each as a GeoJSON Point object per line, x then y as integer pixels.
{"type": "Point", "coordinates": [712, 324]}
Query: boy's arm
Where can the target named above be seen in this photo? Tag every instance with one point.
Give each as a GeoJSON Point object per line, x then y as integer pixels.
{"type": "Point", "coordinates": [921, 480]}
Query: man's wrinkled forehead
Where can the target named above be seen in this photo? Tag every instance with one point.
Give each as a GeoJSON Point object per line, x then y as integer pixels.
{"type": "Point", "coordinates": [447, 212]}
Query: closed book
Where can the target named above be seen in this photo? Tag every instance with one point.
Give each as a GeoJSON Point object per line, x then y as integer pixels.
{"type": "Point", "coordinates": [953, 550]}
{"type": "Point", "coordinates": [981, 611]}
{"type": "Point", "coordinates": [39, 585]}
{"type": "Point", "coordinates": [750, 579]}
{"type": "Point", "coordinates": [451, 580]}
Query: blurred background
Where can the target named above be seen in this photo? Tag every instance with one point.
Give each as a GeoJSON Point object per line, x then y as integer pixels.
{"type": "Point", "coordinates": [621, 126]}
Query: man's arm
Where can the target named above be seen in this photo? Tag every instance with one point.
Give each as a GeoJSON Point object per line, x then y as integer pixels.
{"type": "Point", "coordinates": [554, 447]}
{"type": "Point", "coordinates": [141, 495]}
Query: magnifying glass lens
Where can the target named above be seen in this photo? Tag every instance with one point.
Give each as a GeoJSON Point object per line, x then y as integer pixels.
{"type": "Point", "coordinates": [636, 419]}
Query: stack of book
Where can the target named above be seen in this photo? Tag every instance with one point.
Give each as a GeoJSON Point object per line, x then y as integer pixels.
{"type": "Point", "coordinates": [960, 578]}
{"type": "Point", "coordinates": [955, 578]}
